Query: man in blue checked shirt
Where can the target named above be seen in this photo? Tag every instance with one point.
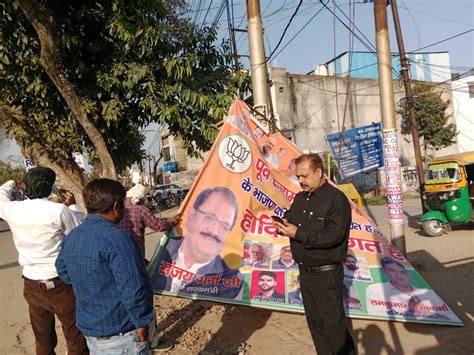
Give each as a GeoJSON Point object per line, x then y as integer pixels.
{"type": "Point", "coordinates": [114, 298]}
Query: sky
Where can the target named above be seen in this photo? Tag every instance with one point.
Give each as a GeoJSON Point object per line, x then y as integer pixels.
{"type": "Point", "coordinates": [423, 22]}
{"type": "Point", "coordinates": [314, 36]}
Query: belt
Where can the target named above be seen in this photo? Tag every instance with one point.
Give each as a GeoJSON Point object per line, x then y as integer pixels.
{"type": "Point", "coordinates": [107, 337]}
{"type": "Point", "coordinates": [321, 268]}
{"type": "Point", "coordinates": [48, 283]}
{"type": "Point", "coordinates": [57, 278]}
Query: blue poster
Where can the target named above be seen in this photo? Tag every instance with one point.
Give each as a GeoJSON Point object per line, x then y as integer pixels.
{"type": "Point", "coordinates": [357, 150]}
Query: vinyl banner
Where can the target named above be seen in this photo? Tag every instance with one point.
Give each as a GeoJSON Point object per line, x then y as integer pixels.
{"type": "Point", "coordinates": [226, 248]}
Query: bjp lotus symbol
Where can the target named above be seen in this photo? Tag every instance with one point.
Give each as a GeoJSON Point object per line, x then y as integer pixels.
{"type": "Point", "coordinates": [237, 152]}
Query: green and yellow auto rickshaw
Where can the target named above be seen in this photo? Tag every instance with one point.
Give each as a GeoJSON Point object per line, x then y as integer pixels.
{"type": "Point", "coordinates": [449, 193]}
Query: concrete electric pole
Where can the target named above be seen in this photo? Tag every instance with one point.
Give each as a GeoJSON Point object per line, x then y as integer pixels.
{"type": "Point", "coordinates": [405, 67]}
{"type": "Point", "coordinates": [389, 128]}
{"type": "Point", "coordinates": [258, 62]}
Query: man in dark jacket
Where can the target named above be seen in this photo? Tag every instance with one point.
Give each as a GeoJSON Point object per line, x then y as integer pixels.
{"type": "Point", "coordinates": [318, 225]}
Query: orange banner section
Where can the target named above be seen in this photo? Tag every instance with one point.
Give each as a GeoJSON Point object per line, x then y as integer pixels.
{"type": "Point", "coordinates": [227, 249]}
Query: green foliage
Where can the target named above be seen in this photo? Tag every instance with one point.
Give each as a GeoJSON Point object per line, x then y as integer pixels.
{"type": "Point", "coordinates": [132, 63]}
{"type": "Point", "coordinates": [333, 164]}
{"type": "Point", "coordinates": [431, 117]}
{"type": "Point", "coordinates": [375, 201]}
{"type": "Point", "coordinates": [7, 172]}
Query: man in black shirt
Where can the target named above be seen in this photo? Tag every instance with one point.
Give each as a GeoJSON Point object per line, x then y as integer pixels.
{"type": "Point", "coordinates": [318, 225]}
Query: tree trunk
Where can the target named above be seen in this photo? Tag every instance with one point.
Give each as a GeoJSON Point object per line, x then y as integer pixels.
{"type": "Point", "coordinates": [69, 175]}
{"type": "Point", "coordinates": [51, 60]}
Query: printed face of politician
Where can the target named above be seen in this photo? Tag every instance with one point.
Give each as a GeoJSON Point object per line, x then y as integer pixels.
{"type": "Point", "coordinates": [266, 283]}
{"type": "Point", "coordinates": [208, 227]}
{"type": "Point", "coordinates": [285, 254]}
{"type": "Point", "coordinates": [351, 263]}
{"type": "Point", "coordinates": [397, 275]}
{"type": "Point", "coordinates": [257, 252]}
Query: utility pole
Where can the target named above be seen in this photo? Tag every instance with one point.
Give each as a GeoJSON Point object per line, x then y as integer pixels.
{"type": "Point", "coordinates": [389, 128]}
{"type": "Point", "coordinates": [150, 177]}
{"type": "Point", "coordinates": [405, 67]}
{"type": "Point", "coordinates": [258, 62]}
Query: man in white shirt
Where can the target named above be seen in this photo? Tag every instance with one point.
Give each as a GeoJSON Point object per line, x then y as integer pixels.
{"type": "Point", "coordinates": [38, 227]}
{"type": "Point", "coordinates": [399, 298]}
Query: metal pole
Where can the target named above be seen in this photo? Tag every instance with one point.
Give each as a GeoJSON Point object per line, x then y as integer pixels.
{"type": "Point", "coordinates": [150, 182]}
{"type": "Point", "coordinates": [258, 64]}
{"type": "Point", "coordinates": [389, 129]}
{"type": "Point", "coordinates": [405, 69]}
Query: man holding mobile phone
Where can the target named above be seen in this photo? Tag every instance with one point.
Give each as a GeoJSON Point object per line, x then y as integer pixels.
{"type": "Point", "coordinates": [318, 225]}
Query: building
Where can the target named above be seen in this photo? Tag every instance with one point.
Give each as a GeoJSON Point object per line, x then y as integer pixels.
{"type": "Point", "coordinates": [310, 106]}
{"type": "Point", "coordinates": [463, 105]}
{"type": "Point", "coordinates": [178, 167]}
{"type": "Point", "coordinates": [429, 66]}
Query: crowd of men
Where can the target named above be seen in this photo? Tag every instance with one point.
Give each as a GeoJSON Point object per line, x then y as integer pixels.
{"type": "Point", "coordinates": [95, 279]}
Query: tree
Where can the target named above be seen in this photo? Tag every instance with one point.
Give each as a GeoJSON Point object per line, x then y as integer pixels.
{"type": "Point", "coordinates": [8, 172]}
{"type": "Point", "coordinates": [86, 76]}
{"type": "Point", "coordinates": [431, 117]}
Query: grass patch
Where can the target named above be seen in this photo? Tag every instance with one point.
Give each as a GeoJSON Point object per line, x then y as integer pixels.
{"type": "Point", "coordinates": [375, 201]}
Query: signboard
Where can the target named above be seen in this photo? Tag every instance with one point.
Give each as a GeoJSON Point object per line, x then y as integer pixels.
{"type": "Point", "coordinates": [28, 164]}
{"type": "Point", "coordinates": [227, 249]}
{"type": "Point", "coordinates": [357, 150]}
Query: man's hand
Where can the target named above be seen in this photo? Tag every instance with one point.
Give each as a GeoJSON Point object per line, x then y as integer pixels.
{"type": "Point", "coordinates": [67, 197]}
{"type": "Point", "coordinates": [287, 229]}
{"type": "Point", "coordinates": [175, 219]}
{"type": "Point", "coordinates": [142, 333]}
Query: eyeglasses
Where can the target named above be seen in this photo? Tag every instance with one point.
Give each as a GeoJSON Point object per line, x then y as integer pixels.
{"type": "Point", "coordinates": [210, 218]}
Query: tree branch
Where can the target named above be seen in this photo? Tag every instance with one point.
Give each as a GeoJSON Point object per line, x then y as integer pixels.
{"type": "Point", "coordinates": [51, 60]}
{"type": "Point", "coordinates": [68, 171]}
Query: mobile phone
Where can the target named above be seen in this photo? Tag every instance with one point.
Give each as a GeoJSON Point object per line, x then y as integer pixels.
{"type": "Point", "coordinates": [278, 219]}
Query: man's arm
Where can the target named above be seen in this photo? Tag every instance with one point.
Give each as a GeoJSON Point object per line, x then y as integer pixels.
{"type": "Point", "coordinates": [68, 220]}
{"type": "Point", "coordinates": [5, 196]}
{"type": "Point", "coordinates": [61, 266]}
{"type": "Point", "coordinates": [329, 232]}
{"type": "Point", "coordinates": [131, 279]}
{"type": "Point", "coordinates": [158, 224]}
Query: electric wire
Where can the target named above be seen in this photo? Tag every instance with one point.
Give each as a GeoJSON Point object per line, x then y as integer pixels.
{"type": "Point", "coordinates": [284, 31]}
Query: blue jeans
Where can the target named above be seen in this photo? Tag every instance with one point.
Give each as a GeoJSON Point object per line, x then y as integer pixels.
{"type": "Point", "coordinates": [126, 344]}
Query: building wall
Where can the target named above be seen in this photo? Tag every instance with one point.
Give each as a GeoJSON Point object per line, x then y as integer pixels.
{"type": "Point", "coordinates": [464, 112]}
{"type": "Point", "coordinates": [308, 109]}
{"type": "Point", "coordinates": [432, 67]}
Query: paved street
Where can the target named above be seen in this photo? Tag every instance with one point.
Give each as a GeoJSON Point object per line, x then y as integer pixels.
{"type": "Point", "coordinates": [445, 262]}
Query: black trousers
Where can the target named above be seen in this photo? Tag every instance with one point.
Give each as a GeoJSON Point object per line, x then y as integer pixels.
{"type": "Point", "coordinates": [324, 308]}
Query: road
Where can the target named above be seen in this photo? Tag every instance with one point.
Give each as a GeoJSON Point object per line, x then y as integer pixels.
{"type": "Point", "coordinates": [445, 262]}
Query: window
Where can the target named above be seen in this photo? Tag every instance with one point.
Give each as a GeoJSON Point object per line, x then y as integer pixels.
{"type": "Point", "coordinates": [166, 154]}
{"type": "Point", "coordinates": [471, 89]}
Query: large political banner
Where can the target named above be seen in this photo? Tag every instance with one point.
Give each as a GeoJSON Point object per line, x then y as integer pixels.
{"type": "Point", "coordinates": [227, 249]}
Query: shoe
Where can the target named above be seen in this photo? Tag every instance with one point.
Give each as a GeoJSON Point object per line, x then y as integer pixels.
{"type": "Point", "coordinates": [161, 346]}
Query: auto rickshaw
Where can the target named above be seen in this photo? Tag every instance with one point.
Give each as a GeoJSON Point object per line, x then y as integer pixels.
{"type": "Point", "coordinates": [449, 193]}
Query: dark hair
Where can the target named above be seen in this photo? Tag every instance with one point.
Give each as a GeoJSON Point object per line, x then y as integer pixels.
{"type": "Point", "coordinates": [314, 159]}
{"type": "Point", "coordinates": [351, 256]}
{"type": "Point", "coordinates": [389, 260]}
{"type": "Point", "coordinates": [100, 195]}
{"type": "Point", "coordinates": [39, 182]}
{"type": "Point", "coordinates": [267, 273]}
{"type": "Point", "coordinates": [229, 195]}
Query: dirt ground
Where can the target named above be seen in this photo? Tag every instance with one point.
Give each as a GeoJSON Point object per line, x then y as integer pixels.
{"type": "Point", "coordinates": [210, 328]}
